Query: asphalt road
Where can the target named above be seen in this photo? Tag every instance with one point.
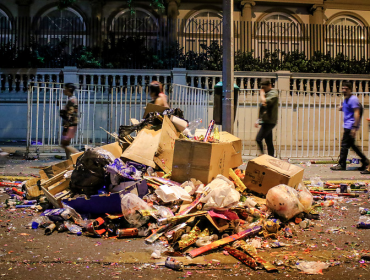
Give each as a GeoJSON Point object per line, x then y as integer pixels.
{"type": "Point", "coordinates": [29, 254]}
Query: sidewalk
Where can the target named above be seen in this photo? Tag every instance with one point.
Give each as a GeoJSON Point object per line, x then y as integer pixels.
{"type": "Point", "coordinates": [17, 166]}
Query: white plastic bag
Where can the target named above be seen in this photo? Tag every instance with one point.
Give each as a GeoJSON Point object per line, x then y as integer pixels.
{"type": "Point", "coordinates": [283, 200]}
{"type": "Point", "coordinates": [222, 194]}
{"type": "Point", "coordinates": [316, 182]}
{"type": "Point", "coordinates": [130, 204]}
{"type": "Point", "coordinates": [305, 197]}
{"type": "Point", "coordinates": [312, 267]}
{"type": "Point", "coordinates": [172, 193]}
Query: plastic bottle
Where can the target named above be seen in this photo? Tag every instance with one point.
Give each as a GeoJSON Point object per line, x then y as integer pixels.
{"type": "Point", "coordinates": [328, 203]}
{"type": "Point", "coordinates": [364, 211]}
{"type": "Point", "coordinates": [216, 133]}
{"type": "Point", "coordinates": [193, 125]}
{"type": "Point", "coordinates": [364, 222]}
{"type": "Point", "coordinates": [39, 221]}
{"type": "Point", "coordinates": [73, 228]}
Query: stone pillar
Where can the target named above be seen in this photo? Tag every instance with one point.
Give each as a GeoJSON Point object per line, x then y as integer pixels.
{"type": "Point", "coordinates": [95, 22]}
{"type": "Point", "coordinates": [246, 26]}
{"type": "Point", "coordinates": [24, 22]}
{"type": "Point", "coordinates": [96, 8]}
{"type": "Point", "coordinates": [23, 7]}
{"type": "Point", "coordinates": [283, 80]}
{"type": "Point", "coordinates": [179, 76]}
{"type": "Point", "coordinates": [71, 75]}
{"type": "Point", "coordinates": [317, 25]}
{"type": "Point", "coordinates": [172, 14]}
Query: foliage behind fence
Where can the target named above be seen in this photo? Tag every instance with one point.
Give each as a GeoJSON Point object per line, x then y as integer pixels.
{"type": "Point", "coordinates": [195, 45]}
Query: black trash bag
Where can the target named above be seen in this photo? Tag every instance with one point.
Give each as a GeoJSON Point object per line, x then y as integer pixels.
{"type": "Point", "coordinates": [90, 174]}
{"type": "Point", "coordinates": [153, 118]}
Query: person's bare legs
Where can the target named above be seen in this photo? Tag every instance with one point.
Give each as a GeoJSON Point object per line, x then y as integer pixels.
{"type": "Point", "coordinates": [70, 151]}
{"type": "Point", "coordinates": [66, 141]}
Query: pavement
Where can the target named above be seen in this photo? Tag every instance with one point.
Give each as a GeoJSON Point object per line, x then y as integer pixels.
{"type": "Point", "coordinates": [30, 254]}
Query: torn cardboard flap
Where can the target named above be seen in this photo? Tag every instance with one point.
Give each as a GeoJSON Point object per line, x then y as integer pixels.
{"type": "Point", "coordinates": [153, 108]}
{"type": "Point", "coordinates": [152, 147]}
{"type": "Point", "coordinates": [265, 172]}
{"type": "Point", "coordinates": [144, 147]}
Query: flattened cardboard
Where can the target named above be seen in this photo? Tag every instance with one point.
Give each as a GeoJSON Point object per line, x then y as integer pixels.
{"type": "Point", "coordinates": [143, 149]}
{"type": "Point", "coordinates": [153, 108]}
{"type": "Point", "coordinates": [203, 161]}
{"type": "Point", "coordinates": [237, 148]}
{"type": "Point", "coordinates": [265, 172]}
{"type": "Point", "coordinates": [164, 154]}
{"type": "Point", "coordinates": [218, 226]}
{"type": "Point", "coordinates": [152, 147]}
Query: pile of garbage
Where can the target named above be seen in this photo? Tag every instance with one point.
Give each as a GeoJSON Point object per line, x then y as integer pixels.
{"type": "Point", "coordinates": [179, 187]}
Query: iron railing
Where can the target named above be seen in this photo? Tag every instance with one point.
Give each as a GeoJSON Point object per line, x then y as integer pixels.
{"type": "Point", "coordinates": [309, 124]}
{"type": "Point", "coordinates": [161, 44]}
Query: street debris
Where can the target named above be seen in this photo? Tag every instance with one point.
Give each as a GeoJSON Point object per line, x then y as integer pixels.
{"type": "Point", "coordinates": [185, 193]}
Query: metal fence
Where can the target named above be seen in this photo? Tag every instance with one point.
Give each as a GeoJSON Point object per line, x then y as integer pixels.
{"type": "Point", "coordinates": [99, 107]}
{"type": "Point", "coordinates": [163, 44]}
{"type": "Point", "coordinates": [309, 125]}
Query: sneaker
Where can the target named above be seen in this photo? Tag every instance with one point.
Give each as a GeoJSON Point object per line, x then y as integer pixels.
{"type": "Point", "coordinates": [365, 172]}
{"type": "Point", "coordinates": [363, 166]}
{"type": "Point", "coordinates": [337, 167]}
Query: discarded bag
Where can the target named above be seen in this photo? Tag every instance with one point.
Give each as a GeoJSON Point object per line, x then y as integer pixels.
{"type": "Point", "coordinates": [283, 200]}
{"type": "Point", "coordinates": [130, 204]}
{"type": "Point", "coordinates": [222, 194]}
{"type": "Point", "coordinates": [305, 197]}
{"type": "Point", "coordinates": [89, 175]}
{"type": "Point", "coordinates": [312, 267]}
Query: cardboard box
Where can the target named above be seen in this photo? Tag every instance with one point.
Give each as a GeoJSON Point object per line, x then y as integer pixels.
{"type": "Point", "coordinates": [204, 161]}
{"type": "Point", "coordinates": [152, 147]}
{"type": "Point", "coordinates": [199, 160]}
{"type": "Point", "coordinates": [265, 172]}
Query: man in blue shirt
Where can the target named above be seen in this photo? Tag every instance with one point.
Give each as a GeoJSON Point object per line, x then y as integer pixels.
{"type": "Point", "coordinates": [351, 108]}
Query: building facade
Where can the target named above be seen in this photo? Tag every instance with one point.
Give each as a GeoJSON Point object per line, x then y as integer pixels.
{"type": "Point", "coordinates": [328, 26]}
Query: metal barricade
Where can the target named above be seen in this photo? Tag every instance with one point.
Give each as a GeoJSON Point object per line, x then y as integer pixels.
{"type": "Point", "coordinates": [309, 124]}
{"type": "Point", "coordinates": [195, 102]}
{"type": "Point", "coordinates": [98, 106]}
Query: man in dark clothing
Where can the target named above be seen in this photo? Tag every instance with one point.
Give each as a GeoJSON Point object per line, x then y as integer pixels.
{"type": "Point", "coordinates": [268, 115]}
{"type": "Point", "coordinates": [351, 108]}
{"type": "Point", "coordinates": [69, 120]}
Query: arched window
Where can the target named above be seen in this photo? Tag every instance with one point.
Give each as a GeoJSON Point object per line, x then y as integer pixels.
{"type": "Point", "coordinates": [5, 27]}
{"type": "Point", "coordinates": [137, 23]}
{"type": "Point", "coordinates": [56, 25]}
{"type": "Point", "coordinates": [203, 28]}
{"type": "Point", "coordinates": [346, 35]}
{"type": "Point", "coordinates": [278, 31]}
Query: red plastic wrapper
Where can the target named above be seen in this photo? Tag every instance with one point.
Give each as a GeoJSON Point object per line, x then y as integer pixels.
{"type": "Point", "coordinates": [240, 256]}
{"type": "Point", "coordinates": [246, 233]}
